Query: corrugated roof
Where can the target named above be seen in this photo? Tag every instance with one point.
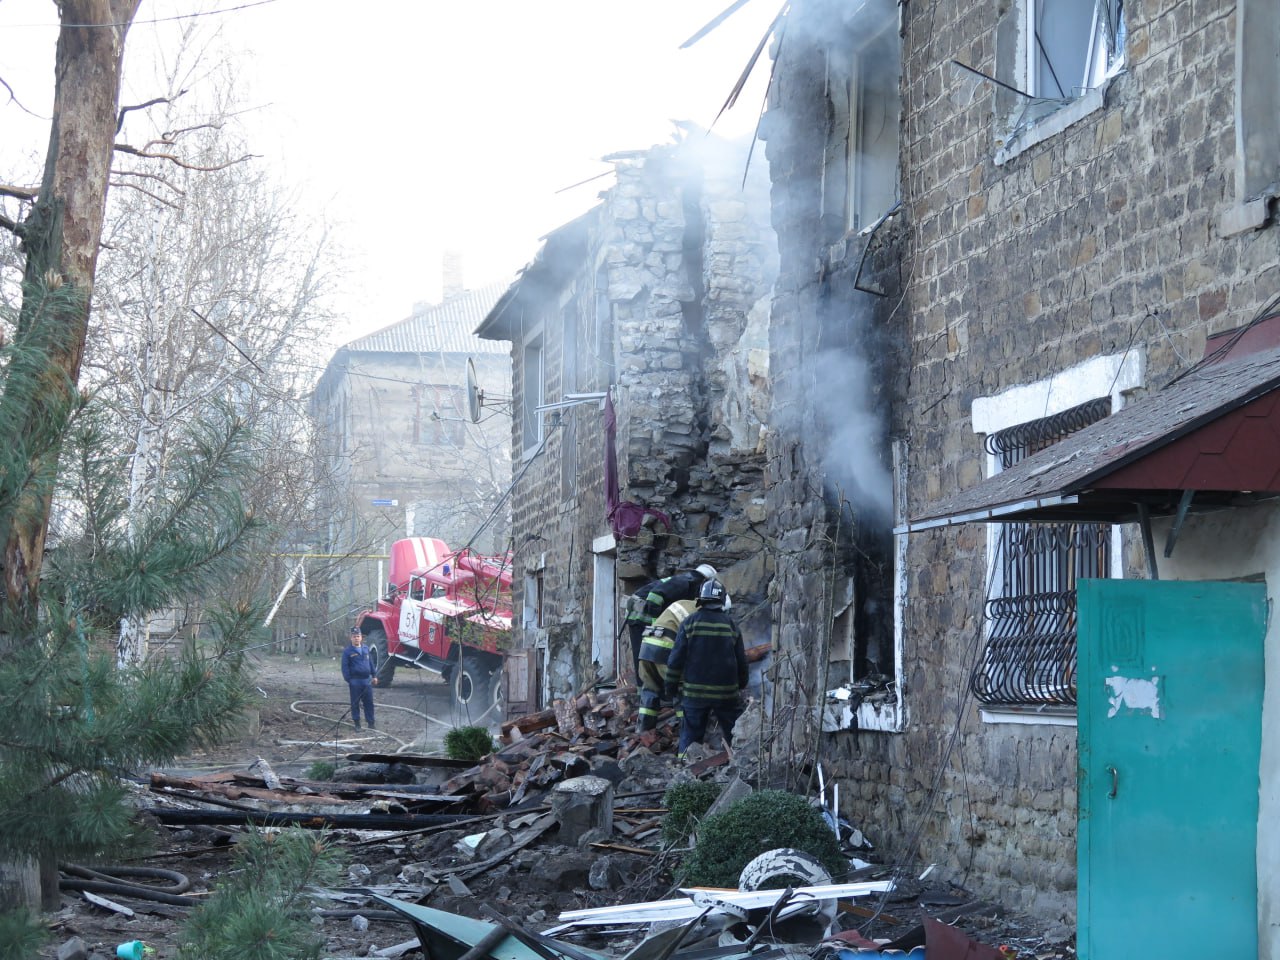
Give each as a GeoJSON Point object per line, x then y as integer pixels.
{"type": "Point", "coordinates": [1070, 479]}
{"type": "Point", "coordinates": [441, 328]}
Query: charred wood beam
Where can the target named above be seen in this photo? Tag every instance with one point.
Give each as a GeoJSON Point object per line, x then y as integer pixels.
{"type": "Point", "coordinates": [309, 821]}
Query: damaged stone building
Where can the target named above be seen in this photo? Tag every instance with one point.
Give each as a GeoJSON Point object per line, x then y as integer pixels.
{"type": "Point", "coordinates": [639, 336]}
{"type": "Point", "coordinates": [1043, 234]}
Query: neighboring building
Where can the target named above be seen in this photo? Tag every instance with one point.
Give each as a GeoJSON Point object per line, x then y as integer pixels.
{"type": "Point", "coordinates": [1069, 237]}
{"type": "Point", "coordinates": [402, 453]}
{"type": "Point", "coordinates": [656, 299]}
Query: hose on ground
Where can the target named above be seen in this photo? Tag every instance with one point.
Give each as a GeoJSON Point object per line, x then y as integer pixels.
{"type": "Point", "coordinates": [335, 703]}
{"type": "Point", "coordinates": [106, 880]}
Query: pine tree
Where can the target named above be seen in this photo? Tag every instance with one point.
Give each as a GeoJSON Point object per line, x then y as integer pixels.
{"type": "Point", "coordinates": [259, 911]}
{"type": "Point", "coordinates": [71, 722]}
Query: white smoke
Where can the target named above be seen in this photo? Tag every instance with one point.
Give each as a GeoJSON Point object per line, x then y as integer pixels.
{"type": "Point", "coordinates": [853, 432]}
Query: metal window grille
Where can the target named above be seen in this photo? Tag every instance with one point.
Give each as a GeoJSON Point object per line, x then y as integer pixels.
{"type": "Point", "coordinates": [1030, 655]}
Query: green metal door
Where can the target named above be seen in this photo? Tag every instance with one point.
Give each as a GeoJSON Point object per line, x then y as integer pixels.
{"type": "Point", "coordinates": [1170, 728]}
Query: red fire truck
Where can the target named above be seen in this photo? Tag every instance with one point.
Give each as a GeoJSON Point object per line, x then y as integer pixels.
{"type": "Point", "coordinates": [446, 611]}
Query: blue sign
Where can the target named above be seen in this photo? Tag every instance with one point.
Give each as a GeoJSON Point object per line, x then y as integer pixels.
{"type": "Point", "coordinates": [385, 503]}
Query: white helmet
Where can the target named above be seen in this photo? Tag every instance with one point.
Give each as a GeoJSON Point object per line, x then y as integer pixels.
{"type": "Point", "coordinates": [707, 570]}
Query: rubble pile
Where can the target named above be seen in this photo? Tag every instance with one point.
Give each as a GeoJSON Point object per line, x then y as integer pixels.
{"type": "Point", "coordinates": [573, 738]}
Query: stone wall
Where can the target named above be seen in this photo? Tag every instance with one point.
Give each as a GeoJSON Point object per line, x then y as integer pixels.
{"type": "Point", "coordinates": [668, 305]}
{"type": "Point", "coordinates": [1102, 239]}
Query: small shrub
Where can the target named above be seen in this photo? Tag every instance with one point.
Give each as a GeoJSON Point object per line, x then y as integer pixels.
{"type": "Point", "coordinates": [260, 910]}
{"type": "Point", "coordinates": [321, 770]}
{"type": "Point", "coordinates": [468, 743]}
{"type": "Point", "coordinates": [686, 804]}
{"type": "Point", "coordinates": [766, 820]}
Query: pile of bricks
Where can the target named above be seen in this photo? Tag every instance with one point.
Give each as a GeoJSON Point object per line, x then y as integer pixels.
{"type": "Point", "coordinates": [565, 741]}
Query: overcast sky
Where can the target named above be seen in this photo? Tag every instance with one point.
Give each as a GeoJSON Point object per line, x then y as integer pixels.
{"type": "Point", "coordinates": [416, 126]}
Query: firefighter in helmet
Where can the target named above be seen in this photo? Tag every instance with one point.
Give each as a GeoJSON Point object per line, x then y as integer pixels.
{"type": "Point", "coordinates": [646, 604]}
{"type": "Point", "coordinates": [707, 668]}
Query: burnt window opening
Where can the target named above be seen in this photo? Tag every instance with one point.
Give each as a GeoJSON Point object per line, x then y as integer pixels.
{"type": "Point", "coordinates": [1030, 653]}
{"type": "Point", "coordinates": [1068, 48]}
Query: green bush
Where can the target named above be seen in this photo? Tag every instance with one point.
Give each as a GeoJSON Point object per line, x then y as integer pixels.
{"type": "Point", "coordinates": [766, 820]}
{"type": "Point", "coordinates": [686, 804]}
{"type": "Point", "coordinates": [468, 743]}
{"type": "Point", "coordinates": [321, 770]}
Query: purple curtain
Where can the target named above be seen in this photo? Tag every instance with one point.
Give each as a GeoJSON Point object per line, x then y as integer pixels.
{"type": "Point", "coordinates": [625, 518]}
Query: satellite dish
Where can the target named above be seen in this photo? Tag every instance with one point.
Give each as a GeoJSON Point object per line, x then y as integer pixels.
{"type": "Point", "coordinates": [475, 396]}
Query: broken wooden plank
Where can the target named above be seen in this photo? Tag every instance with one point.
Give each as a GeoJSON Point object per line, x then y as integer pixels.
{"type": "Point", "coordinates": [106, 904]}
{"type": "Point", "coordinates": [621, 848]}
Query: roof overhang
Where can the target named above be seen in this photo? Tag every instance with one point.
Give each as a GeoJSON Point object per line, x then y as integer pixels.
{"type": "Point", "coordinates": [563, 252]}
{"type": "Point", "coordinates": [1207, 441]}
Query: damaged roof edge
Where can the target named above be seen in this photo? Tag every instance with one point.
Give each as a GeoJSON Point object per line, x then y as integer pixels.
{"type": "Point", "coordinates": [563, 251]}
{"type": "Point", "coordinates": [1061, 473]}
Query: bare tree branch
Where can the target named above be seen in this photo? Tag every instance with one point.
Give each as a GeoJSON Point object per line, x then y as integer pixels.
{"type": "Point", "coordinates": [134, 151]}
{"type": "Point", "coordinates": [13, 226]}
{"type": "Point", "coordinates": [13, 98]}
{"type": "Point", "coordinates": [142, 106]}
{"type": "Point", "coordinates": [149, 176]}
{"type": "Point", "coordinates": [18, 193]}
{"type": "Point", "coordinates": [142, 190]}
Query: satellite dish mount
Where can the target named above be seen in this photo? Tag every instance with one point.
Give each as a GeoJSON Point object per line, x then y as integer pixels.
{"type": "Point", "coordinates": [477, 399]}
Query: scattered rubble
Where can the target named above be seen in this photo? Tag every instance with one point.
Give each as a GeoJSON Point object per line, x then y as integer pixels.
{"type": "Point", "coordinates": [560, 827]}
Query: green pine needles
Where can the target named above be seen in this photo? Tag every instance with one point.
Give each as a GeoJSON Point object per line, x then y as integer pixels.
{"type": "Point", "coordinates": [260, 911]}
{"type": "Point", "coordinates": [468, 743]}
{"type": "Point", "coordinates": [765, 820]}
{"type": "Point", "coordinates": [75, 717]}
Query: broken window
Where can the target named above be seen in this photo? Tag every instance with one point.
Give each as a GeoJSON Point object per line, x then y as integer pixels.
{"type": "Point", "coordinates": [1030, 655]}
{"type": "Point", "coordinates": [1070, 48]}
{"type": "Point", "coordinates": [874, 108]}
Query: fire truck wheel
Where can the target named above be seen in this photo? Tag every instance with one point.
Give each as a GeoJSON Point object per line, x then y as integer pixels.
{"type": "Point", "coordinates": [384, 667]}
{"type": "Point", "coordinates": [475, 685]}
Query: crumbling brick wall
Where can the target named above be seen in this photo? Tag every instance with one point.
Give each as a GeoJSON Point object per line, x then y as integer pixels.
{"type": "Point", "coordinates": [668, 303]}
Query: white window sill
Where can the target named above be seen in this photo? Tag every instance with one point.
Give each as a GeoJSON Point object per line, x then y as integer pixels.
{"type": "Point", "coordinates": [883, 717]}
{"type": "Point", "coordinates": [1028, 716]}
{"type": "Point", "coordinates": [1243, 218]}
{"type": "Point", "coordinates": [1051, 125]}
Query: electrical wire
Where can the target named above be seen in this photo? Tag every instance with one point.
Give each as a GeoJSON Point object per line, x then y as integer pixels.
{"type": "Point", "coordinates": [130, 23]}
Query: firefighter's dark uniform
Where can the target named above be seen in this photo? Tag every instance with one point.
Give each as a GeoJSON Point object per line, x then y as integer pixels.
{"type": "Point", "coordinates": [707, 669]}
{"type": "Point", "coordinates": [651, 599]}
{"type": "Point", "coordinates": [659, 638]}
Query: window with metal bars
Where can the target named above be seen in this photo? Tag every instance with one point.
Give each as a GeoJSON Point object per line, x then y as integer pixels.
{"type": "Point", "coordinates": [1030, 654]}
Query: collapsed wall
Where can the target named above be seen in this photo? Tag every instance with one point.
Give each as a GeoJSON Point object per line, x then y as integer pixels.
{"type": "Point", "coordinates": [690, 260]}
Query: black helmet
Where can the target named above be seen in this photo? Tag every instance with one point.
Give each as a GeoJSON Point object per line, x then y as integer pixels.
{"type": "Point", "coordinates": [711, 594]}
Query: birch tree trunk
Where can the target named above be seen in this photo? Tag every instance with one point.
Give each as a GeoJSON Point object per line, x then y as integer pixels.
{"type": "Point", "coordinates": [60, 241]}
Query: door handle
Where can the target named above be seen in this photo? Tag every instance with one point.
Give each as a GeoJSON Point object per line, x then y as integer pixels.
{"type": "Point", "coordinates": [1115, 782]}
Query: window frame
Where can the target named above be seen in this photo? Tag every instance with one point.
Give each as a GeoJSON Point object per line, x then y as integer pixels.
{"type": "Point", "coordinates": [876, 28]}
{"type": "Point", "coordinates": [533, 372]}
{"type": "Point", "coordinates": [1113, 376]}
{"type": "Point", "coordinates": [1018, 65]}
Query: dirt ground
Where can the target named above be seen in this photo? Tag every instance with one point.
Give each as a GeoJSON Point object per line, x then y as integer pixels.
{"type": "Point", "coordinates": [304, 716]}
{"type": "Point", "coordinates": [303, 719]}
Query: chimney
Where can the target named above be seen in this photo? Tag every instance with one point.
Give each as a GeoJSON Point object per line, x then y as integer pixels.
{"type": "Point", "coordinates": [452, 275]}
